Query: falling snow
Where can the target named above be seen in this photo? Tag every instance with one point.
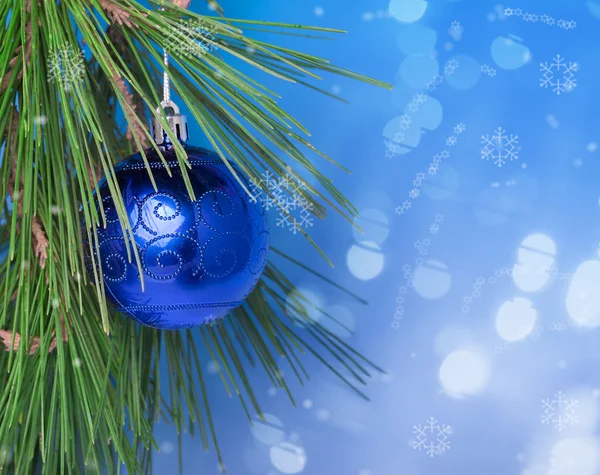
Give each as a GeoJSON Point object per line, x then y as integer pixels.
{"type": "Point", "coordinates": [198, 38]}
{"type": "Point", "coordinates": [66, 66]}
{"type": "Point", "coordinates": [560, 411]}
{"type": "Point", "coordinates": [432, 437]}
{"type": "Point", "coordinates": [558, 75]}
{"type": "Point", "coordinates": [499, 147]}
{"type": "Point", "coordinates": [285, 194]}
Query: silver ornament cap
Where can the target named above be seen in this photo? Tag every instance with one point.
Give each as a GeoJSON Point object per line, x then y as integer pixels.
{"type": "Point", "coordinates": [177, 123]}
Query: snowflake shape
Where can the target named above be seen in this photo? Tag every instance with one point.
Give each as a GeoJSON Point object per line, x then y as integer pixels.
{"type": "Point", "coordinates": [285, 194]}
{"type": "Point", "coordinates": [459, 128]}
{"type": "Point", "coordinates": [407, 271]}
{"type": "Point", "coordinates": [211, 320]}
{"type": "Point", "coordinates": [433, 169]}
{"type": "Point", "coordinates": [546, 19]}
{"type": "Point", "coordinates": [444, 154]}
{"type": "Point", "coordinates": [560, 411]}
{"type": "Point", "coordinates": [561, 23]}
{"type": "Point", "coordinates": [192, 37]}
{"type": "Point", "coordinates": [558, 327]}
{"type": "Point", "coordinates": [434, 83]}
{"type": "Point", "coordinates": [420, 98]}
{"type": "Point", "coordinates": [439, 218]}
{"type": "Point", "coordinates": [488, 70]}
{"type": "Point", "coordinates": [451, 67]}
{"type": "Point", "coordinates": [413, 106]}
{"type": "Point", "coordinates": [518, 12]}
{"type": "Point", "coordinates": [499, 147]}
{"type": "Point", "coordinates": [451, 141]}
{"type": "Point", "coordinates": [558, 75]}
{"type": "Point", "coordinates": [414, 193]}
{"type": "Point", "coordinates": [66, 66]}
{"type": "Point", "coordinates": [432, 437]}
{"type": "Point", "coordinates": [455, 25]}
{"type": "Point", "coordinates": [508, 12]}
{"type": "Point", "coordinates": [395, 324]}
{"type": "Point", "coordinates": [419, 177]}
{"type": "Point", "coordinates": [404, 122]}
{"type": "Point", "coordinates": [403, 208]}
{"type": "Point", "coordinates": [422, 246]}
{"type": "Point", "coordinates": [465, 308]}
{"type": "Point", "coordinates": [434, 229]}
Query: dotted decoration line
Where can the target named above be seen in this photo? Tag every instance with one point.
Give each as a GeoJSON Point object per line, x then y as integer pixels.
{"type": "Point", "coordinates": [433, 168]}
{"type": "Point", "coordinates": [422, 246]}
{"type": "Point", "coordinates": [505, 271]}
{"type": "Point", "coordinates": [488, 70]}
{"type": "Point", "coordinates": [544, 18]}
{"type": "Point", "coordinates": [393, 146]}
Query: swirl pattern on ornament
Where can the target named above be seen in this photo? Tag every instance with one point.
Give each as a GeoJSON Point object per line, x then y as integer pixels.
{"type": "Point", "coordinates": [155, 209]}
{"type": "Point", "coordinates": [184, 255]}
{"type": "Point", "coordinates": [224, 254]}
{"type": "Point", "coordinates": [218, 210]}
{"type": "Point", "coordinates": [114, 264]}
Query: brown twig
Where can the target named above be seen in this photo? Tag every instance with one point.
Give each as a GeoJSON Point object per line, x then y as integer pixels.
{"type": "Point", "coordinates": [135, 127]}
{"type": "Point", "coordinates": [117, 14]}
{"type": "Point", "coordinates": [12, 341]}
{"type": "Point", "coordinates": [182, 3]}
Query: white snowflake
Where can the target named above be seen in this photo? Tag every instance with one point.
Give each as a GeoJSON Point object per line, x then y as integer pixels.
{"type": "Point", "coordinates": [558, 327]}
{"type": "Point", "coordinates": [404, 122]}
{"type": "Point", "coordinates": [434, 83]}
{"type": "Point", "coordinates": [413, 106]}
{"type": "Point", "coordinates": [192, 37]}
{"type": "Point", "coordinates": [451, 141]}
{"type": "Point", "coordinates": [499, 147]}
{"type": "Point", "coordinates": [434, 229]}
{"type": "Point", "coordinates": [560, 411]}
{"type": "Point", "coordinates": [211, 320]}
{"type": "Point", "coordinates": [451, 67]}
{"type": "Point", "coordinates": [420, 98]}
{"type": "Point", "coordinates": [439, 218]}
{"type": "Point", "coordinates": [286, 195]}
{"type": "Point", "coordinates": [403, 208]}
{"type": "Point", "coordinates": [419, 177]}
{"type": "Point", "coordinates": [66, 66]}
{"type": "Point", "coordinates": [459, 128]}
{"type": "Point", "coordinates": [455, 25]}
{"type": "Point", "coordinates": [433, 169]}
{"type": "Point", "coordinates": [508, 12]}
{"type": "Point", "coordinates": [432, 437]}
{"type": "Point", "coordinates": [414, 193]}
{"type": "Point", "coordinates": [558, 75]}
{"type": "Point", "coordinates": [488, 70]}
{"type": "Point", "coordinates": [422, 246]}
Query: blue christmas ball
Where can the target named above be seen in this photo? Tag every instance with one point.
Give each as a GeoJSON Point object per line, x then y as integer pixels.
{"type": "Point", "coordinates": [200, 259]}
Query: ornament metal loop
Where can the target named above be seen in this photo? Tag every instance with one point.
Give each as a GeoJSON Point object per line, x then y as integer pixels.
{"type": "Point", "coordinates": [177, 123]}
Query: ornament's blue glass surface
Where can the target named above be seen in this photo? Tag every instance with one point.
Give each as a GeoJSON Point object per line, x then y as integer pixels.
{"type": "Point", "coordinates": [200, 259]}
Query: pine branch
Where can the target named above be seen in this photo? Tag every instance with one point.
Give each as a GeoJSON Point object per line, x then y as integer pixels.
{"type": "Point", "coordinates": [63, 406]}
{"type": "Point", "coordinates": [117, 14]}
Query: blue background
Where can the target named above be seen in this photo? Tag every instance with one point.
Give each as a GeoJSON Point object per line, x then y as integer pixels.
{"type": "Point", "coordinates": [490, 393]}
